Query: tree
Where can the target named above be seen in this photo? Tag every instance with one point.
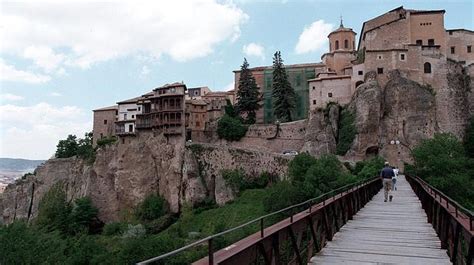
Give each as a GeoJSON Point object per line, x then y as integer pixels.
{"type": "Point", "coordinates": [247, 95]}
{"type": "Point", "coordinates": [283, 94]}
{"type": "Point", "coordinates": [230, 128]}
{"type": "Point", "coordinates": [67, 148]}
{"type": "Point", "coordinates": [54, 210]}
{"type": "Point", "coordinates": [84, 147]}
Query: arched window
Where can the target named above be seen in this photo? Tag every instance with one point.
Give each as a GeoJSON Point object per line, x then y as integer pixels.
{"type": "Point", "coordinates": [427, 68]}
{"type": "Point", "coordinates": [337, 45]}
{"type": "Point", "coordinates": [346, 44]}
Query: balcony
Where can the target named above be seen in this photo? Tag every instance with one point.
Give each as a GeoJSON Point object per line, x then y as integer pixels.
{"type": "Point", "coordinates": [120, 132]}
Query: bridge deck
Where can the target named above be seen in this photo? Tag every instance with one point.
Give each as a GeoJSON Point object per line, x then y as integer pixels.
{"type": "Point", "coordinates": [394, 232]}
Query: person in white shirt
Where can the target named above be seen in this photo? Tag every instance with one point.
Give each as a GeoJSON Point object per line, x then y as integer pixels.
{"type": "Point", "coordinates": [394, 179]}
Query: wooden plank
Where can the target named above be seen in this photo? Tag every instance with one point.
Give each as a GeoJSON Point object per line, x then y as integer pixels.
{"type": "Point", "coordinates": [394, 232]}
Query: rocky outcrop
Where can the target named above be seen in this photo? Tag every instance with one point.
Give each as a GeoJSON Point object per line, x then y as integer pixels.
{"type": "Point", "coordinates": [124, 174]}
{"type": "Point", "coordinates": [322, 130]}
{"type": "Point", "coordinates": [208, 161]}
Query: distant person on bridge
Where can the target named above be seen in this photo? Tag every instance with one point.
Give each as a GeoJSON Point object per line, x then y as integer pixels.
{"type": "Point", "coordinates": [394, 179]}
{"type": "Point", "coordinates": [387, 174]}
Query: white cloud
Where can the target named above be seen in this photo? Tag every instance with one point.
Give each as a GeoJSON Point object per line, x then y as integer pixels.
{"type": "Point", "coordinates": [314, 37]}
{"type": "Point", "coordinates": [50, 33]}
{"type": "Point", "coordinates": [145, 71]}
{"type": "Point", "coordinates": [34, 131]}
{"type": "Point", "coordinates": [254, 49]}
{"type": "Point", "coordinates": [44, 57]}
{"type": "Point", "coordinates": [11, 97]}
{"type": "Point", "coordinates": [55, 94]}
{"type": "Point", "coordinates": [10, 73]}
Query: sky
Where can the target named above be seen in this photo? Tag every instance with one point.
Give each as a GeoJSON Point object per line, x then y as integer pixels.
{"type": "Point", "coordinates": [61, 59]}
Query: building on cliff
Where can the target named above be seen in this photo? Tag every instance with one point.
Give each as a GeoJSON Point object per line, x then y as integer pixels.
{"type": "Point", "coordinates": [413, 41]}
{"type": "Point", "coordinates": [163, 109]}
{"type": "Point", "coordinates": [104, 123]}
{"type": "Point", "coordinates": [197, 92]}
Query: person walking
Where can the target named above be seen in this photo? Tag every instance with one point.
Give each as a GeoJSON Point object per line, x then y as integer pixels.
{"type": "Point", "coordinates": [394, 179]}
{"type": "Point", "coordinates": [387, 174]}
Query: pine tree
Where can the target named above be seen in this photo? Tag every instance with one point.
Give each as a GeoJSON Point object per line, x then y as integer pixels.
{"type": "Point", "coordinates": [283, 94]}
{"type": "Point", "coordinates": [247, 95]}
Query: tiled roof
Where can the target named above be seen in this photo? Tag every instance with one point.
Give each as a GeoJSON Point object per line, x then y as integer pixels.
{"type": "Point", "coordinates": [175, 84]}
{"type": "Point", "coordinates": [132, 100]}
{"type": "Point", "coordinates": [114, 107]}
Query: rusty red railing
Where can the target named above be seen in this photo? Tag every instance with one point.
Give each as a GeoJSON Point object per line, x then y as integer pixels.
{"type": "Point", "coordinates": [453, 223]}
{"type": "Point", "coordinates": [296, 238]}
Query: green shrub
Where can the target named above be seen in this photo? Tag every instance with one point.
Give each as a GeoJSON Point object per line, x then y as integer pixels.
{"type": "Point", "coordinates": [370, 168]}
{"type": "Point", "coordinates": [230, 128]}
{"type": "Point", "coordinates": [281, 195]}
{"type": "Point", "coordinates": [114, 229]}
{"type": "Point", "coordinates": [469, 139]}
{"type": "Point", "coordinates": [83, 215]}
{"type": "Point", "coordinates": [106, 141]}
{"type": "Point", "coordinates": [298, 167]}
{"type": "Point", "coordinates": [132, 231]}
{"type": "Point", "coordinates": [347, 132]}
{"type": "Point", "coordinates": [160, 224]}
{"type": "Point", "coordinates": [54, 210]}
{"type": "Point", "coordinates": [151, 208]}
{"type": "Point", "coordinates": [324, 175]}
{"type": "Point", "coordinates": [235, 179]}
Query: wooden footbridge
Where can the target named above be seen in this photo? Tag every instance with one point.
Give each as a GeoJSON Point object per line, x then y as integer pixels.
{"type": "Point", "coordinates": [353, 225]}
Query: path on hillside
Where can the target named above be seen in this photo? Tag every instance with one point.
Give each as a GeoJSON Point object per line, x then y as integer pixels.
{"type": "Point", "coordinates": [394, 232]}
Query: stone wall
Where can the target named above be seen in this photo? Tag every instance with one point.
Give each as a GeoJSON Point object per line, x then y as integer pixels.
{"type": "Point", "coordinates": [264, 137]}
{"type": "Point", "coordinates": [205, 163]}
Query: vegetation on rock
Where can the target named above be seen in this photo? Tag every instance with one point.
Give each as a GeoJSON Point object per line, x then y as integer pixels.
{"type": "Point", "coordinates": [72, 146]}
{"type": "Point", "coordinates": [347, 132]}
{"type": "Point", "coordinates": [283, 94]}
{"type": "Point", "coordinates": [230, 128]}
{"type": "Point", "coordinates": [106, 141]}
{"type": "Point", "coordinates": [247, 95]}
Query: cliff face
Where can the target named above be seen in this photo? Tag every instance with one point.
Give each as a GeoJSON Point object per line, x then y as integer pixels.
{"type": "Point", "coordinates": [124, 174]}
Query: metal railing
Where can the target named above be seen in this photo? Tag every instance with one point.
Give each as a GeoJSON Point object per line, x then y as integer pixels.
{"type": "Point", "coordinates": [322, 201]}
{"type": "Point", "coordinates": [452, 222]}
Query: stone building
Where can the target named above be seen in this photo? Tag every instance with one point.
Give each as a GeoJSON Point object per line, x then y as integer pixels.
{"type": "Point", "coordinates": [197, 92]}
{"type": "Point", "coordinates": [196, 118]}
{"type": "Point", "coordinates": [163, 109]}
{"type": "Point", "coordinates": [127, 115]}
{"type": "Point", "coordinates": [298, 75]}
{"type": "Point", "coordinates": [104, 123]}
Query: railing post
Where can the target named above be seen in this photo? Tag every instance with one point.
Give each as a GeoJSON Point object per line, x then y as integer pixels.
{"type": "Point", "coordinates": [261, 228]}
{"type": "Point", "coordinates": [210, 252]}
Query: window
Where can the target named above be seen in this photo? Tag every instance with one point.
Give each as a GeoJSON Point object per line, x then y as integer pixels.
{"type": "Point", "coordinates": [469, 49]}
{"type": "Point", "coordinates": [427, 68]}
{"type": "Point", "coordinates": [329, 95]}
{"type": "Point", "coordinates": [380, 70]}
{"type": "Point", "coordinates": [101, 135]}
{"type": "Point", "coordinates": [105, 121]}
{"type": "Point", "coordinates": [133, 116]}
{"type": "Point", "coordinates": [360, 72]}
{"type": "Point", "coordinates": [125, 116]}
{"type": "Point", "coordinates": [197, 123]}
{"type": "Point", "coordinates": [314, 87]}
{"type": "Point", "coordinates": [337, 45]}
{"type": "Point", "coordinates": [431, 42]}
{"type": "Point", "coordinates": [402, 57]}
{"type": "Point", "coordinates": [419, 42]}
{"type": "Point", "coordinates": [379, 57]}
{"type": "Point", "coordinates": [450, 33]}
{"type": "Point", "coordinates": [314, 101]}
{"type": "Point", "coordinates": [139, 108]}
{"type": "Point", "coordinates": [346, 44]}
{"type": "Point", "coordinates": [130, 128]}
{"type": "Point", "coordinates": [196, 93]}
{"type": "Point", "coordinates": [453, 50]}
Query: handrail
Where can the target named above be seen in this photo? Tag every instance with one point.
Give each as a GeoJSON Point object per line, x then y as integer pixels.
{"type": "Point", "coordinates": [260, 219]}
{"type": "Point", "coordinates": [457, 206]}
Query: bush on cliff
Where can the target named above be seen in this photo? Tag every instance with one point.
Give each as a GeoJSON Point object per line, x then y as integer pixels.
{"type": "Point", "coordinates": [238, 181]}
{"type": "Point", "coordinates": [230, 128]}
{"type": "Point", "coordinates": [106, 141]}
{"type": "Point", "coordinates": [72, 146]}
{"type": "Point", "coordinates": [55, 213]}
{"type": "Point", "coordinates": [153, 207]}
{"type": "Point", "coordinates": [347, 132]}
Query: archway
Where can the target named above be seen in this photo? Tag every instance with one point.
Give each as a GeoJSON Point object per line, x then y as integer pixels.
{"type": "Point", "coordinates": [372, 151]}
{"type": "Point", "coordinates": [358, 83]}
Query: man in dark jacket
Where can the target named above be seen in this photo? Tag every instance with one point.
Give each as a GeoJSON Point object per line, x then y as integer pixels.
{"type": "Point", "coordinates": [386, 174]}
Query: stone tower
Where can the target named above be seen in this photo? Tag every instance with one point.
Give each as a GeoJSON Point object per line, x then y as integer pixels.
{"type": "Point", "coordinates": [341, 49]}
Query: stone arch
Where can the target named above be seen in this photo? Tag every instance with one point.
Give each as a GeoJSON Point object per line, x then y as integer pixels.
{"type": "Point", "coordinates": [372, 151]}
{"type": "Point", "coordinates": [427, 68]}
{"type": "Point", "coordinates": [358, 83]}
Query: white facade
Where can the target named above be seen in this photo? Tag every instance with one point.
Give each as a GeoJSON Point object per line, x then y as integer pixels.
{"type": "Point", "coordinates": [127, 115]}
{"type": "Point", "coordinates": [329, 89]}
